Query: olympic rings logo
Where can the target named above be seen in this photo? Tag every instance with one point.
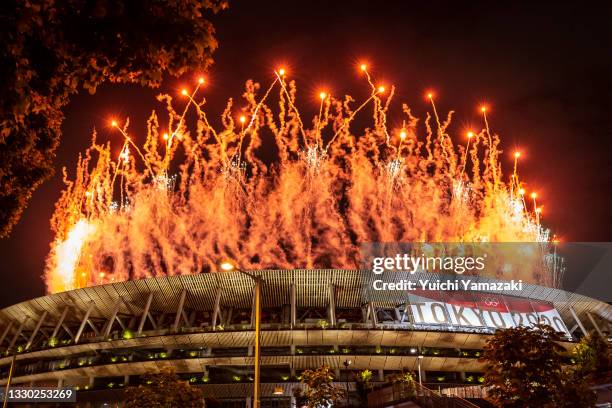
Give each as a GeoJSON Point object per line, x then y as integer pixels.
{"type": "Point", "coordinates": [491, 301]}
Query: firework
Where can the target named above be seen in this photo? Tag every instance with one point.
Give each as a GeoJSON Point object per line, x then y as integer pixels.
{"type": "Point", "coordinates": [329, 188]}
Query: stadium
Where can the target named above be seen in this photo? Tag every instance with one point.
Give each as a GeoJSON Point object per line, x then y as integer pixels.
{"type": "Point", "coordinates": [102, 339]}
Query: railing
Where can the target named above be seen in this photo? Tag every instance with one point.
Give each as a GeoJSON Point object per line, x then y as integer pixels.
{"type": "Point", "coordinates": [143, 354]}
{"type": "Point", "coordinates": [421, 395]}
{"type": "Point", "coordinates": [430, 399]}
{"type": "Point", "coordinates": [474, 391]}
{"type": "Point", "coordinates": [134, 355]}
{"type": "Point", "coordinates": [118, 335]}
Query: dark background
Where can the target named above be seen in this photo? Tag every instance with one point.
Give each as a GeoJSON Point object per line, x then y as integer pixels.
{"type": "Point", "coordinates": [544, 70]}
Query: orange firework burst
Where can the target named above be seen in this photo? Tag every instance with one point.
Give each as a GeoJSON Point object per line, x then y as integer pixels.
{"type": "Point", "coordinates": [329, 189]}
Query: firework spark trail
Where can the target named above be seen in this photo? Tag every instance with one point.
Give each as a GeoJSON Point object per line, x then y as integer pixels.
{"type": "Point", "coordinates": [310, 207]}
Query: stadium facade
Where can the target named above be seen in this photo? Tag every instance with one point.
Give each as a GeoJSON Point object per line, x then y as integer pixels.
{"type": "Point", "coordinates": [102, 339]}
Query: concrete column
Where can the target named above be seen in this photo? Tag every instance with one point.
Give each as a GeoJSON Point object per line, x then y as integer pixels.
{"type": "Point", "coordinates": [578, 322]}
{"type": "Point", "coordinates": [109, 324]}
{"type": "Point", "coordinates": [228, 315]}
{"type": "Point", "coordinates": [594, 323]}
{"type": "Point", "coordinates": [67, 329]}
{"type": "Point", "coordinates": [121, 324]}
{"type": "Point", "coordinates": [398, 315]}
{"type": "Point", "coordinates": [17, 333]}
{"type": "Point", "coordinates": [145, 313]}
{"type": "Point", "coordinates": [35, 332]}
{"type": "Point", "coordinates": [406, 314]}
{"type": "Point", "coordinates": [179, 310]}
{"type": "Point", "coordinates": [216, 309]}
{"type": "Point", "coordinates": [365, 313]}
{"type": "Point", "coordinates": [83, 323]}
{"type": "Point", "coordinates": [5, 332]}
{"type": "Point", "coordinates": [373, 315]}
{"type": "Point", "coordinates": [293, 306]}
{"type": "Point", "coordinates": [332, 305]}
{"type": "Point", "coordinates": [93, 327]}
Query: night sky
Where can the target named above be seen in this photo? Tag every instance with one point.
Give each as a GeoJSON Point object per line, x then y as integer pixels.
{"type": "Point", "coordinates": [543, 69]}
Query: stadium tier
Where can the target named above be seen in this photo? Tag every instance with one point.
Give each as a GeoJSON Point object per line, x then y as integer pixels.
{"type": "Point", "coordinates": [102, 339]}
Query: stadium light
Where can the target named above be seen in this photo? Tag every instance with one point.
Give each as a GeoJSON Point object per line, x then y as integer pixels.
{"type": "Point", "coordinates": [228, 266]}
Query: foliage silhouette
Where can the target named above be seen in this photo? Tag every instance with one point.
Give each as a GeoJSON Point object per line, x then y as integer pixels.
{"type": "Point", "coordinates": [55, 48]}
